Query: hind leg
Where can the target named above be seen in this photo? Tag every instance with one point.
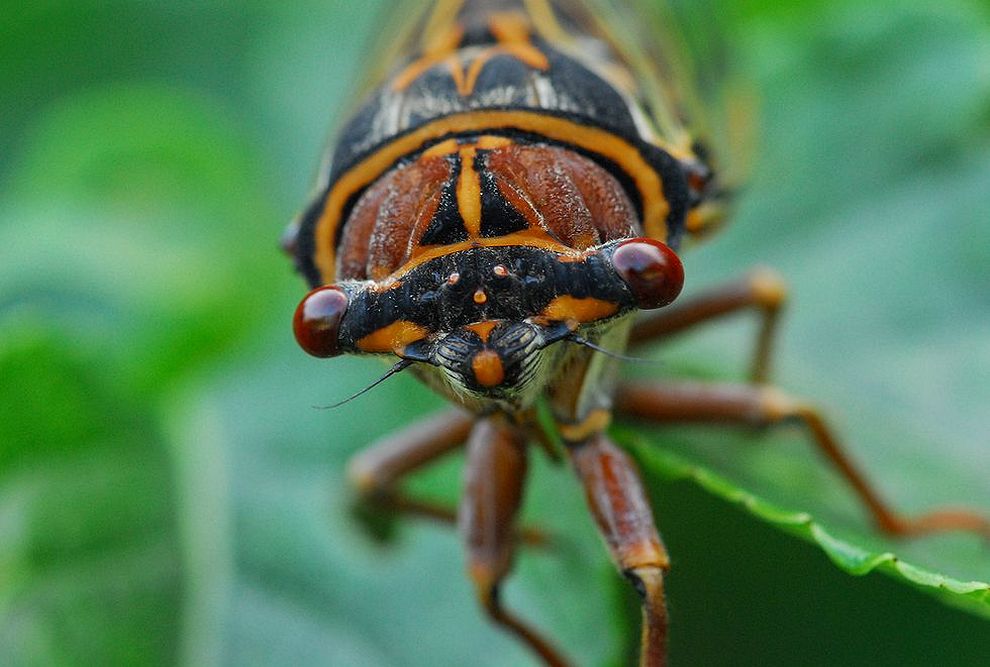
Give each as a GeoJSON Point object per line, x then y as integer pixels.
{"type": "Point", "coordinates": [764, 406]}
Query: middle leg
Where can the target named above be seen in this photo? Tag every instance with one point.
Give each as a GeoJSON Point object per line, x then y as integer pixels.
{"type": "Point", "coordinates": [762, 290]}
{"type": "Point", "coordinates": [376, 473]}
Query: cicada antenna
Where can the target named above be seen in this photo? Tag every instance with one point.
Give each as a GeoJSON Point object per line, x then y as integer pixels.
{"type": "Point", "coordinates": [574, 338]}
{"type": "Point", "coordinates": [397, 368]}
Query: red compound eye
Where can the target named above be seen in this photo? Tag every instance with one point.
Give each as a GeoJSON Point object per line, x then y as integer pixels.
{"type": "Point", "coordinates": [317, 321]}
{"type": "Point", "coordinates": [652, 271]}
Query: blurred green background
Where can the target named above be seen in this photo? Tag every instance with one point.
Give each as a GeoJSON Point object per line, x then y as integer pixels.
{"type": "Point", "coordinates": [167, 494]}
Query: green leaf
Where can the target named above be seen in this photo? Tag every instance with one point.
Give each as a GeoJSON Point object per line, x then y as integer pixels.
{"type": "Point", "coordinates": [168, 495]}
{"type": "Point", "coordinates": [89, 570]}
{"type": "Point", "coordinates": [157, 226]}
{"type": "Point", "coordinates": [971, 595]}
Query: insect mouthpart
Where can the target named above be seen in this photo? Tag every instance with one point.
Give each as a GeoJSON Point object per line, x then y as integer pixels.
{"type": "Point", "coordinates": [493, 358]}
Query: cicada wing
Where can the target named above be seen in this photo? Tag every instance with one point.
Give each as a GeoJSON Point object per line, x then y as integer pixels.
{"type": "Point", "coordinates": [676, 60]}
{"type": "Point", "coordinates": [399, 35]}
{"type": "Point", "coordinates": [718, 102]}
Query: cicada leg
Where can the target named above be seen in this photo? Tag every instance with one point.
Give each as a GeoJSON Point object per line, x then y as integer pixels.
{"type": "Point", "coordinates": [377, 471]}
{"type": "Point", "coordinates": [762, 289]}
{"type": "Point", "coordinates": [495, 474]}
{"type": "Point", "coordinates": [766, 406]}
{"type": "Point", "coordinates": [580, 403]}
{"type": "Point", "coordinates": [619, 504]}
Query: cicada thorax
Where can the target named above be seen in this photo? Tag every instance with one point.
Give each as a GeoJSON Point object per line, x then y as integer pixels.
{"type": "Point", "coordinates": [488, 191]}
{"type": "Point", "coordinates": [475, 208]}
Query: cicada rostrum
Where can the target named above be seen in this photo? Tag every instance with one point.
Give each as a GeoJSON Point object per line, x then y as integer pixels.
{"type": "Point", "coordinates": [502, 217]}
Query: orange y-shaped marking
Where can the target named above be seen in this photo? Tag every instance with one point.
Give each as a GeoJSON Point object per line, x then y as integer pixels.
{"type": "Point", "coordinates": [512, 30]}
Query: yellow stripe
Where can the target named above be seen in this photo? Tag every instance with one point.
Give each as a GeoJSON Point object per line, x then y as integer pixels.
{"type": "Point", "coordinates": [493, 142]}
{"type": "Point", "coordinates": [443, 148]}
{"type": "Point", "coordinates": [593, 139]}
{"type": "Point", "coordinates": [529, 238]}
{"type": "Point", "coordinates": [469, 193]}
{"type": "Point", "coordinates": [587, 309]}
{"type": "Point", "coordinates": [596, 422]}
{"type": "Point", "coordinates": [392, 338]}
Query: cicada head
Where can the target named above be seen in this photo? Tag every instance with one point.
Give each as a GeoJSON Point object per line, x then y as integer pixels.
{"type": "Point", "coordinates": [490, 324]}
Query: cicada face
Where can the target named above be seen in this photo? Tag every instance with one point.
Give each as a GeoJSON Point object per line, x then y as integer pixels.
{"type": "Point", "coordinates": [488, 326]}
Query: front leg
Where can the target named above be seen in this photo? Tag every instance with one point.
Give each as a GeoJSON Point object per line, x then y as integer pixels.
{"type": "Point", "coordinates": [619, 504]}
{"type": "Point", "coordinates": [581, 406]}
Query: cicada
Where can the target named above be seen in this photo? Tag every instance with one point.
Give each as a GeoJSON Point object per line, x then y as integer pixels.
{"type": "Point", "coordinates": [502, 217]}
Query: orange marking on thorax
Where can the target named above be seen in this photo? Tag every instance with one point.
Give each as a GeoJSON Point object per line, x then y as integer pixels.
{"type": "Point", "coordinates": [451, 146]}
{"type": "Point", "coordinates": [564, 308]}
{"type": "Point", "coordinates": [483, 329]}
{"type": "Point", "coordinates": [447, 147]}
{"type": "Point", "coordinates": [469, 192]}
{"type": "Point", "coordinates": [528, 54]}
{"type": "Point", "coordinates": [512, 32]}
{"type": "Point", "coordinates": [541, 235]}
{"type": "Point", "coordinates": [596, 140]}
{"type": "Point", "coordinates": [468, 189]}
{"type": "Point", "coordinates": [392, 338]}
{"type": "Point", "coordinates": [439, 48]}
{"type": "Point", "coordinates": [491, 142]}
{"type": "Point", "coordinates": [525, 53]}
{"type": "Point", "coordinates": [457, 73]}
{"type": "Point", "coordinates": [466, 81]}
{"type": "Point", "coordinates": [522, 238]}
